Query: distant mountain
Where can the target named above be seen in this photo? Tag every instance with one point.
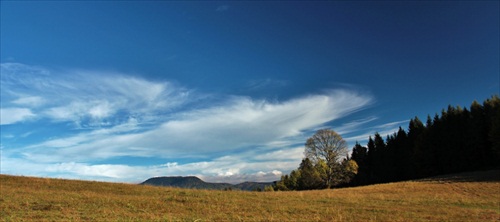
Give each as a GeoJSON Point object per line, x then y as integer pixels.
{"type": "Point", "coordinates": [192, 182]}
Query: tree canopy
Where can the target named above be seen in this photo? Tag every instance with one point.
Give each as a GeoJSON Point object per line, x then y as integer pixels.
{"type": "Point", "coordinates": [326, 164]}
{"type": "Point", "coordinates": [328, 146]}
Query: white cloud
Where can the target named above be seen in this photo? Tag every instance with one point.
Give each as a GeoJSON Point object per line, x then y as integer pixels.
{"type": "Point", "coordinates": [353, 125]}
{"type": "Point", "coordinates": [96, 111]}
{"type": "Point", "coordinates": [14, 115]}
{"type": "Point", "coordinates": [117, 115]}
{"type": "Point", "coordinates": [239, 124]}
{"type": "Point", "coordinates": [83, 171]}
{"type": "Point", "coordinates": [395, 124]}
{"type": "Point", "coordinates": [217, 170]}
{"type": "Point", "coordinates": [30, 101]}
{"type": "Point", "coordinates": [246, 122]}
{"type": "Point", "coordinates": [258, 84]}
{"type": "Point", "coordinates": [282, 154]}
{"type": "Point", "coordinates": [251, 165]}
{"type": "Point", "coordinates": [384, 130]}
{"type": "Point", "coordinates": [86, 97]}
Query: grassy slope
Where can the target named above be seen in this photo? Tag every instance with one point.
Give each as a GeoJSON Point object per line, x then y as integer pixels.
{"type": "Point", "coordinates": [25, 198]}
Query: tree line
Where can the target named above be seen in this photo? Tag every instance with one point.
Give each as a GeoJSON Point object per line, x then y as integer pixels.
{"type": "Point", "coordinates": [457, 140]}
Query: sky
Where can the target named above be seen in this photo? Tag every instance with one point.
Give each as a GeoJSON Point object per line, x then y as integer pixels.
{"type": "Point", "coordinates": [122, 91]}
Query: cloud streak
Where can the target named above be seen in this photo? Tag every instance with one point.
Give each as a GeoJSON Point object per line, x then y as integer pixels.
{"type": "Point", "coordinates": [113, 115]}
{"type": "Point", "coordinates": [14, 115]}
{"type": "Point", "coordinates": [86, 97]}
{"type": "Point", "coordinates": [383, 129]}
{"type": "Point", "coordinates": [240, 124]}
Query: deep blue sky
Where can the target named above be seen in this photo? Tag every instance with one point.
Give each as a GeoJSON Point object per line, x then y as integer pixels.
{"type": "Point", "coordinates": [228, 91]}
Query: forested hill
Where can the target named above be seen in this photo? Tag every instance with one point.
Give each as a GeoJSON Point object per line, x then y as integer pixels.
{"type": "Point", "coordinates": [456, 140]}
{"type": "Point", "coordinates": [192, 182]}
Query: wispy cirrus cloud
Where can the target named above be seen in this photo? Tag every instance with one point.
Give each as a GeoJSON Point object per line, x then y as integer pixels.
{"type": "Point", "coordinates": [239, 124]}
{"type": "Point", "coordinates": [29, 101]}
{"type": "Point", "coordinates": [258, 84]}
{"type": "Point", "coordinates": [354, 126]}
{"type": "Point", "coordinates": [85, 97]}
{"type": "Point", "coordinates": [363, 131]}
{"type": "Point", "coordinates": [98, 116]}
{"type": "Point", "coordinates": [14, 115]}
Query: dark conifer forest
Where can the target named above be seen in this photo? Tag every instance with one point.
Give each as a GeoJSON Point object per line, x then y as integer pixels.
{"type": "Point", "coordinates": [456, 140]}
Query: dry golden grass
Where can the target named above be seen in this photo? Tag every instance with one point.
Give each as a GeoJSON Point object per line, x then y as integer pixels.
{"type": "Point", "coordinates": [39, 199]}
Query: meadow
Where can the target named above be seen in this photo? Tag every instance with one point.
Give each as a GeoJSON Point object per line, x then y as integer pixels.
{"type": "Point", "coordinates": [435, 199]}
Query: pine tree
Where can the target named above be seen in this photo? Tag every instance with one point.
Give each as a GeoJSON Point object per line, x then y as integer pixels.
{"type": "Point", "coordinates": [360, 156]}
{"type": "Point", "coordinates": [455, 141]}
{"type": "Point", "coordinates": [372, 152]}
{"type": "Point", "coordinates": [378, 161]}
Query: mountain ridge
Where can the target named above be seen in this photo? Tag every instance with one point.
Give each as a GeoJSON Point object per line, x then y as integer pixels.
{"type": "Point", "coordinates": [192, 182]}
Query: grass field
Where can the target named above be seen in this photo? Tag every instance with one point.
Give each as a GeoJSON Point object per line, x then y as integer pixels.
{"type": "Point", "coordinates": [439, 199]}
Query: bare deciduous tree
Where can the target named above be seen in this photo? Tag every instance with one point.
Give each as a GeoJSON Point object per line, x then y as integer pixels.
{"type": "Point", "coordinates": [329, 146]}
